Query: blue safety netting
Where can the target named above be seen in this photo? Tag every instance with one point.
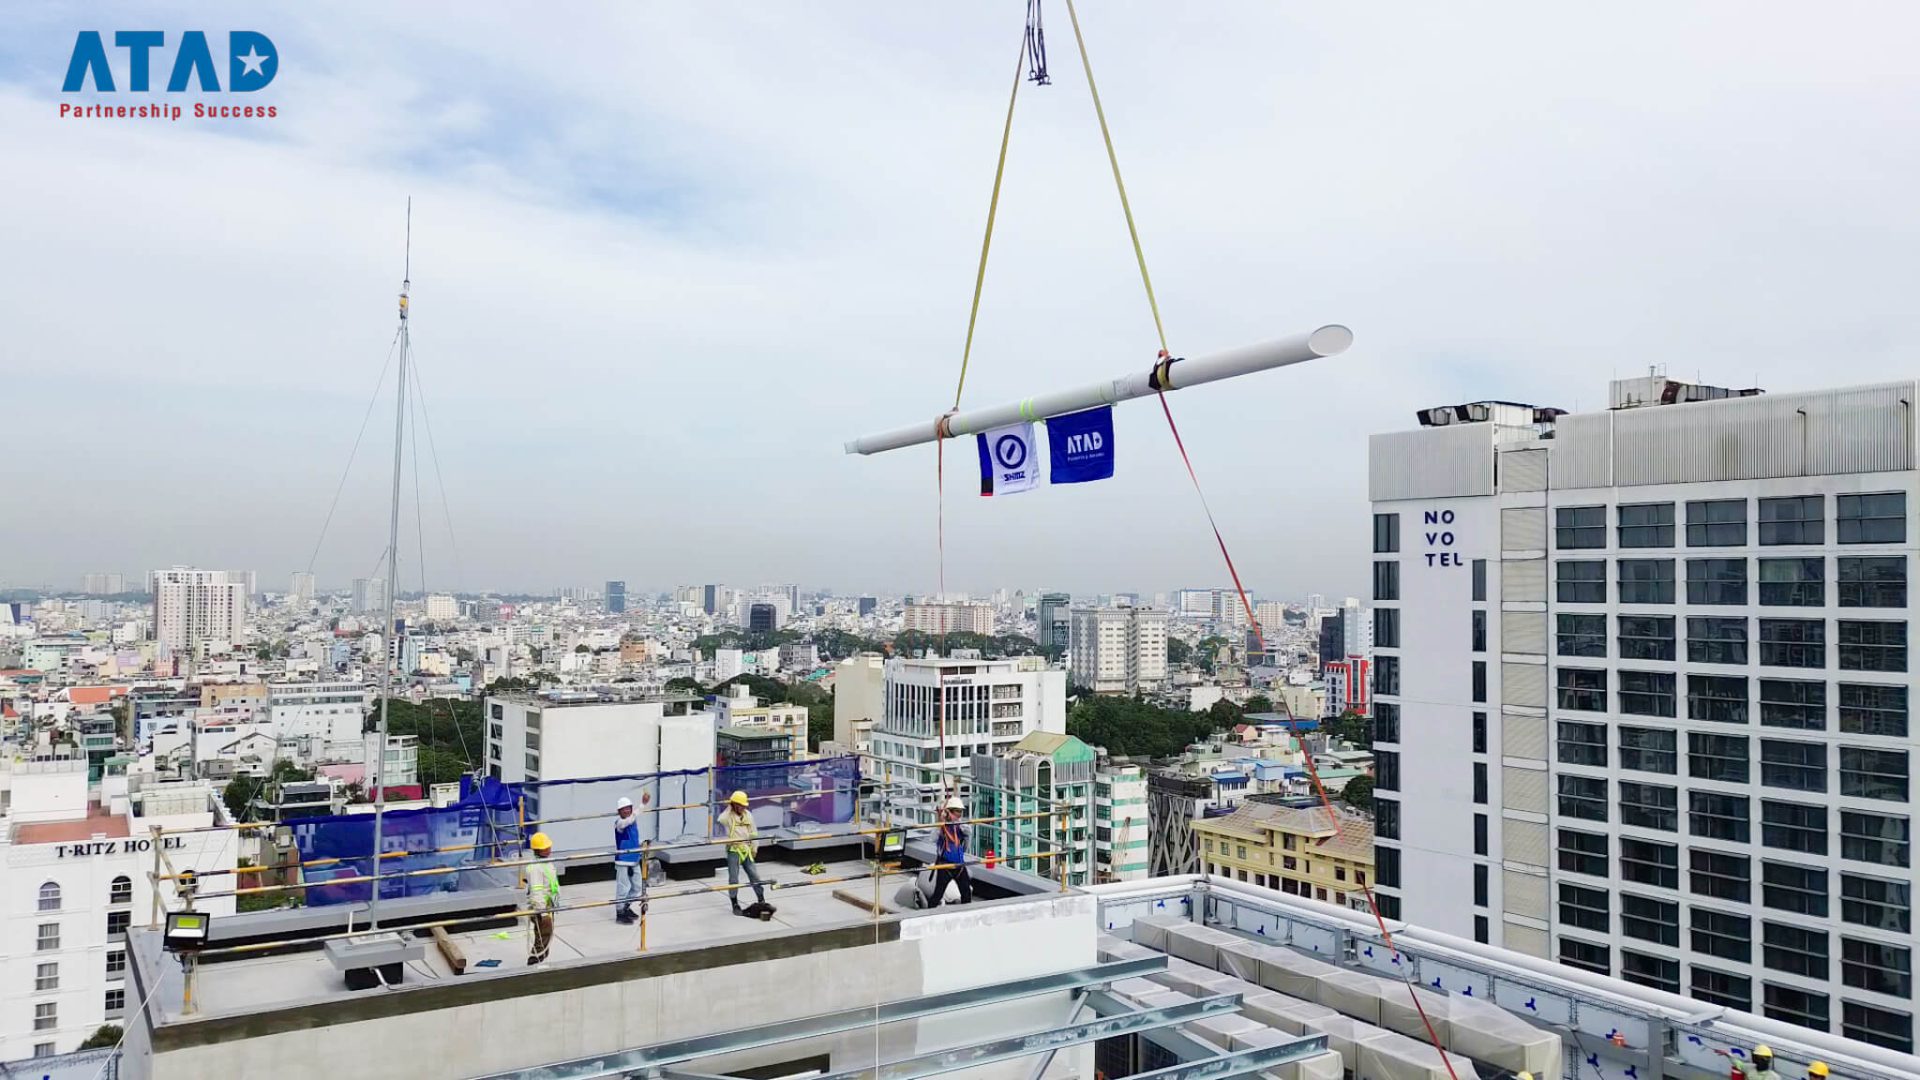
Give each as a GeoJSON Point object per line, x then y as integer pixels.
{"type": "Point", "coordinates": [818, 791]}
{"type": "Point", "coordinates": [481, 822]}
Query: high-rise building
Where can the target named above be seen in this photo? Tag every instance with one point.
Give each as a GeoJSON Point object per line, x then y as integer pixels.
{"type": "Point", "coordinates": [248, 578]}
{"type": "Point", "coordinates": [442, 608]}
{"type": "Point", "coordinates": [1272, 615]}
{"type": "Point", "coordinates": [1643, 687]}
{"type": "Point", "coordinates": [300, 588]}
{"type": "Point", "coordinates": [1043, 770]}
{"type": "Point", "coordinates": [1118, 650]}
{"type": "Point", "coordinates": [1333, 638]}
{"type": "Point", "coordinates": [944, 618]}
{"type": "Point", "coordinates": [710, 598]}
{"type": "Point", "coordinates": [867, 605]}
{"type": "Point", "coordinates": [197, 610]}
{"type": "Point", "coordinates": [369, 594]}
{"type": "Point", "coordinates": [763, 616]}
{"type": "Point", "coordinates": [956, 708]}
{"type": "Point", "coordinates": [1122, 830]}
{"type": "Point", "coordinates": [616, 597]}
{"type": "Point", "coordinates": [1053, 623]}
{"type": "Point", "coordinates": [103, 584]}
{"type": "Point", "coordinates": [859, 699]}
{"type": "Point", "coordinates": [1356, 630]}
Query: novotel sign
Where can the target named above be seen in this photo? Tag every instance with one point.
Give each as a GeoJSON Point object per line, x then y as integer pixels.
{"type": "Point", "coordinates": [118, 847]}
{"type": "Point", "coordinates": [1438, 533]}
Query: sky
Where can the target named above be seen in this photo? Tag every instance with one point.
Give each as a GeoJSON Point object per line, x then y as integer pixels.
{"type": "Point", "coordinates": [668, 258]}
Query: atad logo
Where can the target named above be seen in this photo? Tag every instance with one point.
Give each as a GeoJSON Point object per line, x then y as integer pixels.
{"type": "Point", "coordinates": [251, 64]}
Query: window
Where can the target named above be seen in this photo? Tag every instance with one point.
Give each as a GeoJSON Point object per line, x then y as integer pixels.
{"type": "Point", "coordinates": [1582, 954]}
{"type": "Point", "coordinates": [499, 713]}
{"type": "Point", "coordinates": [1585, 908]}
{"type": "Point", "coordinates": [1790, 703]}
{"type": "Point", "coordinates": [1387, 870]}
{"type": "Point", "coordinates": [1792, 583]}
{"type": "Point", "coordinates": [1386, 533]}
{"type": "Point", "coordinates": [1386, 579]}
{"type": "Point", "coordinates": [1793, 827]}
{"type": "Point", "coordinates": [1873, 710]}
{"type": "Point", "coordinates": [1794, 949]}
{"type": "Point", "coordinates": [1648, 750]}
{"type": "Point", "coordinates": [1646, 581]}
{"type": "Point", "coordinates": [1873, 774]}
{"type": "Point", "coordinates": [116, 1001]}
{"type": "Point", "coordinates": [1583, 744]}
{"type": "Point", "coordinates": [116, 962]}
{"type": "Point", "coordinates": [46, 977]}
{"type": "Point", "coordinates": [1647, 693]}
{"type": "Point", "coordinates": [1580, 635]}
{"type": "Point", "coordinates": [1386, 628]}
{"type": "Point", "coordinates": [1801, 519]}
{"type": "Point", "coordinates": [1479, 834]}
{"type": "Point", "coordinates": [50, 897]}
{"type": "Point", "coordinates": [1716, 581]}
{"type": "Point", "coordinates": [1873, 646]}
{"type": "Point", "coordinates": [1796, 766]}
{"type": "Point", "coordinates": [1718, 817]}
{"type": "Point", "coordinates": [1649, 806]}
{"type": "Point", "coordinates": [1872, 519]}
{"type": "Point", "coordinates": [1800, 643]}
{"type": "Point", "coordinates": [1876, 902]}
{"type": "Point", "coordinates": [1582, 689]}
{"type": "Point", "coordinates": [1794, 887]}
{"type": "Point", "coordinates": [1479, 579]}
{"type": "Point", "coordinates": [1648, 919]}
{"type": "Point", "coordinates": [1882, 839]}
{"type": "Point", "coordinates": [1654, 971]}
{"type": "Point", "coordinates": [1721, 988]}
{"type": "Point", "coordinates": [1880, 1027]}
{"type": "Point", "coordinates": [1479, 733]}
{"type": "Point", "coordinates": [1646, 525]}
{"type": "Point", "coordinates": [1388, 905]}
{"type": "Point", "coordinates": [1478, 624]}
{"type": "Point", "coordinates": [1386, 819]}
{"type": "Point", "coordinates": [1719, 698]}
{"type": "Point", "coordinates": [1717, 757]}
{"type": "Point", "coordinates": [1646, 637]}
{"type": "Point", "coordinates": [1649, 863]}
{"type": "Point", "coordinates": [1481, 932]}
{"type": "Point", "coordinates": [1580, 527]}
{"type": "Point", "coordinates": [1386, 675]}
{"type": "Point", "coordinates": [120, 890]}
{"type": "Point", "coordinates": [1717, 933]}
{"type": "Point", "coordinates": [1480, 784]}
{"type": "Point", "coordinates": [1717, 523]}
{"type": "Point", "coordinates": [1719, 875]}
{"type": "Point", "coordinates": [47, 938]}
{"type": "Point", "coordinates": [1876, 581]}
{"type": "Point", "coordinates": [1716, 641]}
{"type": "Point", "coordinates": [1386, 770]}
{"type": "Point", "coordinates": [1795, 1006]}
{"type": "Point", "coordinates": [1479, 680]}
{"type": "Point", "coordinates": [46, 1016]}
{"type": "Point", "coordinates": [1480, 887]}
{"type": "Point", "coordinates": [117, 922]}
{"type": "Point", "coordinates": [1386, 722]}
{"type": "Point", "coordinates": [1583, 797]}
{"type": "Point", "coordinates": [1583, 853]}
{"type": "Point", "coordinates": [1581, 582]}
{"type": "Point", "coordinates": [43, 1050]}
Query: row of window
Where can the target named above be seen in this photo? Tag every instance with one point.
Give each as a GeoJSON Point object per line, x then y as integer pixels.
{"type": "Point", "coordinates": [47, 935]}
{"type": "Point", "coordinates": [1714, 639]}
{"type": "Point", "coordinates": [46, 975]}
{"type": "Point", "coordinates": [1864, 708]}
{"type": "Point", "coordinates": [1784, 763]}
{"type": "Point", "coordinates": [1807, 1008]}
{"type": "Point", "coordinates": [119, 891]}
{"type": "Point", "coordinates": [1877, 903]}
{"type": "Point", "coordinates": [1864, 836]}
{"type": "Point", "coordinates": [1798, 519]}
{"type": "Point", "coordinates": [1869, 581]}
{"type": "Point", "coordinates": [46, 1015]}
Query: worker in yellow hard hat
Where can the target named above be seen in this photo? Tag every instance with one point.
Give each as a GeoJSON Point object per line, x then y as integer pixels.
{"type": "Point", "coordinates": [543, 895]}
{"type": "Point", "coordinates": [737, 818]}
{"type": "Point", "coordinates": [1817, 1069]}
{"type": "Point", "coordinates": [1758, 1066]}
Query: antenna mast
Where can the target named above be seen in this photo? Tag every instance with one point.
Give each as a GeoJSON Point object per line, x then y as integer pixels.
{"type": "Point", "coordinates": [389, 642]}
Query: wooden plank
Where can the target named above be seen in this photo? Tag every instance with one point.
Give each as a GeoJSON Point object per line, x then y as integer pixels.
{"type": "Point", "coordinates": [455, 958]}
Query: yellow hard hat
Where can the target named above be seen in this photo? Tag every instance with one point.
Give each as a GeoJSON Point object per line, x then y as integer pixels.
{"type": "Point", "coordinates": [1763, 1050]}
{"type": "Point", "coordinates": [1818, 1068]}
{"type": "Point", "coordinates": [738, 798]}
{"type": "Point", "coordinates": [1523, 1076]}
{"type": "Point", "coordinates": [541, 842]}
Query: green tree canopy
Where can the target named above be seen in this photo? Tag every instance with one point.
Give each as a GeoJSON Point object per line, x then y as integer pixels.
{"type": "Point", "coordinates": [1358, 793]}
{"type": "Point", "coordinates": [1178, 651]}
{"type": "Point", "coordinates": [105, 1038]}
{"type": "Point", "coordinates": [1258, 703]}
{"type": "Point", "coordinates": [1132, 727]}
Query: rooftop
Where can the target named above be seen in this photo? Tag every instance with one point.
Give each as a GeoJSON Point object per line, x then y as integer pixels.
{"type": "Point", "coordinates": [99, 822]}
{"type": "Point", "coordinates": [1347, 836]}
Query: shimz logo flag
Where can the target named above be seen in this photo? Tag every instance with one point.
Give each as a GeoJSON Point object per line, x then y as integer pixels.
{"type": "Point", "coordinates": [1081, 446]}
{"type": "Point", "coordinates": [1007, 463]}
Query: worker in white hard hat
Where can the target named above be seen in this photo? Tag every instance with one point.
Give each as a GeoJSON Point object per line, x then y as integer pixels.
{"type": "Point", "coordinates": [950, 852]}
{"type": "Point", "coordinates": [543, 895]}
{"type": "Point", "coordinates": [737, 818]}
{"type": "Point", "coordinates": [626, 861]}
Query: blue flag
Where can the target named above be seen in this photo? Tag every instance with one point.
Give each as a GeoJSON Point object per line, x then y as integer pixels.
{"type": "Point", "coordinates": [1080, 446]}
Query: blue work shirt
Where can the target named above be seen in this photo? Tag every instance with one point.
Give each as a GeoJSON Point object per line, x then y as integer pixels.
{"type": "Point", "coordinates": [951, 846]}
{"type": "Point", "coordinates": [626, 840]}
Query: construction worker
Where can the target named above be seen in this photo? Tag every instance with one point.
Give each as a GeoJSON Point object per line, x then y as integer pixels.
{"type": "Point", "coordinates": [950, 851]}
{"type": "Point", "coordinates": [543, 895]}
{"type": "Point", "coordinates": [626, 861]}
{"type": "Point", "coordinates": [741, 834]}
{"type": "Point", "coordinates": [1758, 1066]}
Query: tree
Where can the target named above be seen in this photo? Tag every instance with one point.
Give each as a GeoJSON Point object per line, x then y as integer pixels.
{"type": "Point", "coordinates": [1352, 727]}
{"type": "Point", "coordinates": [684, 685]}
{"type": "Point", "coordinates": [819, 705]}
{"type": "Point", "coordinates": [767, 690]}
{"type": "Point", "coordinates": [1132, 727]}
{"type": "Point", "coordinates": [1358, 793]}
{"type": "Point", "coordinates": [239, 794]}
{"type": "Point", "coordinates": [1207, 648]}
{"type": "Point", "coordinates": [1178, 651]}
{"type": "Point", "coordinates": [105, 1038]}
{"type": "Point", "coordinates": [582, 648]}
{"type": "Point", "coordinates": [1258, 703]}
{"type": "Point", "coordinates": [1225, 714]}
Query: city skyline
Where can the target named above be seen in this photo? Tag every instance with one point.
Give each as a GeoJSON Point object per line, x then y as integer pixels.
{"type": "Point", "coordinates": [613, 331]}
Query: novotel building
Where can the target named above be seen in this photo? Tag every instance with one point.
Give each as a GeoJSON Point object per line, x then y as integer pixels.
{"type": "Point", "coordinates": [77, 861]}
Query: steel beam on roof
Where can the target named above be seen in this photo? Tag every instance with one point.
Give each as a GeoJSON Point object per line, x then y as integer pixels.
{"type": "Point", "coordinates": [642, 1059]}
{"type": "Point", "coordinates": [1040, 1042]}
{"type": "Point", "coordinates": [1240, 1062]}
{"type": "Point", "coordinates": [1174, 1041]}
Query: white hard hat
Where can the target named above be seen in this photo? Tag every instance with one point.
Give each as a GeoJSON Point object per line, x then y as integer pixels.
{"type": "Point", "coordinates": [956, 804]}
{"type": "Point", "coordinates": [623, 803]}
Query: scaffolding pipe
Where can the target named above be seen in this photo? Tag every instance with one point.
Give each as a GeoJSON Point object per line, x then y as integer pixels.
{"type": "Point", "coordinates": [1173, 375]}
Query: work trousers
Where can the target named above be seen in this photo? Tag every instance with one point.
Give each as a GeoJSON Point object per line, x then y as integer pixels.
{"type": "Point", "coordinates": [626, 886]}
{"type": "Point", "coordinates": [541, 938]}
{"type": "Point", "coordinates": [957, 875]}
{"type": "Point", "coordinates": [737, 863]}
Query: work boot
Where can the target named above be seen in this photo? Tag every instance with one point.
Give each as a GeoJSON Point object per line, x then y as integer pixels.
{"type": "Point", "coordinates": [625, 917]}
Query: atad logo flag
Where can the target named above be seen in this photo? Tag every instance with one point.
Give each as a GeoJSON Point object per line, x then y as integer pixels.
{"type": "Point", "coordinates": [1081, 446]}
{"type": "Point", "coordinates": [155, 62]}
{"type": "Point", "coordinates": [1008, 463]}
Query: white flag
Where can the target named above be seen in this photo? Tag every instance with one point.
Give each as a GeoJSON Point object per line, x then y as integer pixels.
{"type": "Point", "coordinates": [1007, 461]}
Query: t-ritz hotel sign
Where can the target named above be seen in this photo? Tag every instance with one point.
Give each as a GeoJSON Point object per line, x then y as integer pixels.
{"type": "Point", "coordinates": [1437, 531]}
{"type": "Point", "coordinates": [118, 847]}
